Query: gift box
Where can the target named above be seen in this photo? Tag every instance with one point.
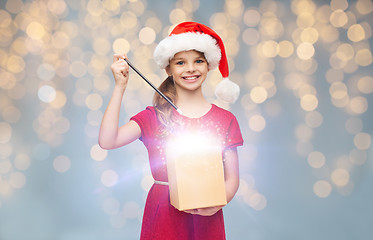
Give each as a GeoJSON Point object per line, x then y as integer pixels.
{"type": "Point", "coordinates": [195, 173]}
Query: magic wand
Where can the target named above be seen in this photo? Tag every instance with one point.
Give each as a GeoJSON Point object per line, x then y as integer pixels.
{"type": "Point", "coordinates": [156, 89]}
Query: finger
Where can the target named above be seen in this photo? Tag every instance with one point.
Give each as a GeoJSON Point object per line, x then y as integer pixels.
{"type": "Point", "coordinates": [124, 72]}
{"type": "Point", "coordinates": [120, 65]}
{"type": "Point", "coordinates": [196, 211]}
{"type": "Point", "coordinates": [191, 211]}
{"type": "Point", "coordinates": [118, 57]}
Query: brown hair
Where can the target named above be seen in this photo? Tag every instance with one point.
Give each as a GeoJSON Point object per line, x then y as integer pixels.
{"type": "Point", "coordinates": [162, 107]}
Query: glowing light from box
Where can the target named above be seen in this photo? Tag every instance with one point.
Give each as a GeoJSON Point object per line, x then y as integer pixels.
{"type": "Point", "coordinates": [184, 143]}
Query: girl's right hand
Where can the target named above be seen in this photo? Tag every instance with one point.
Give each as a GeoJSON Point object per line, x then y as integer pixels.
{"type": "Point", "coordinates": [120, 70]}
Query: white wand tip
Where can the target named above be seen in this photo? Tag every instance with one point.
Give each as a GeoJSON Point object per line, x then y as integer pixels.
{"type": "Point", "coordinates": [179, 111]}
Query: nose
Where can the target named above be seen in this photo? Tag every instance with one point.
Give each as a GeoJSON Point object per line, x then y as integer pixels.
{"type": "Point", "coordinates": [190, 67]}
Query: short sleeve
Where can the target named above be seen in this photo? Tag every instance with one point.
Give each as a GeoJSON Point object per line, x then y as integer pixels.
{"type": "Point", "coordinates": [234, 136]}
{"type": "Point", "coordinates": [146, 120]}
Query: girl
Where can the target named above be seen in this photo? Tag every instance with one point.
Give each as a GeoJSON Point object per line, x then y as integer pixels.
{"type": "Point", "coordinates": [187, 55]}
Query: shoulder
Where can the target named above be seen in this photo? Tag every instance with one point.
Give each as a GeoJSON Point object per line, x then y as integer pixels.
{"type": "Point", "coordinates": [146, 115]}
{"type": "Point", "coordinates": [148, 111]}
{"type": "Point", "coordinates": [221, 112]}
{"type": "Point", "coordinates": [148, 123]}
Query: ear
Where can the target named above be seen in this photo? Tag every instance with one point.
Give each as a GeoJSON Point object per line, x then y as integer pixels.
{"type": "Point", "coordinates": [168, 70]}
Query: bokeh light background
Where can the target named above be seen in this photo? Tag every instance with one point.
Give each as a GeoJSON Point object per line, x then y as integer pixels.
{"type": "Point", "coordinates": [305, 109]}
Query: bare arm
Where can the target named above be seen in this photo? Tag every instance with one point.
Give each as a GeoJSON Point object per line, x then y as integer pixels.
{"type": "Point", "coordinates": [232, 180]}
{"type": "Point", "coordinates": [111, 136]}
{"type": "Point", "coordinates": [231, 173]}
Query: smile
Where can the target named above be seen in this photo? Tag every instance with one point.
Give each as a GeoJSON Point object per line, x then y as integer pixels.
{"type": "Point", "coordinates": [191, 78]}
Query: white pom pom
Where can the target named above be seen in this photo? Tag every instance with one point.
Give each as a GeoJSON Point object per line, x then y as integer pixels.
{"type": "Point", "coordinates": [227, 91]}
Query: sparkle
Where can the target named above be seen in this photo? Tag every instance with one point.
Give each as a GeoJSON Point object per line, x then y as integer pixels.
{"type": "Point", "coordinates": [304, 69]}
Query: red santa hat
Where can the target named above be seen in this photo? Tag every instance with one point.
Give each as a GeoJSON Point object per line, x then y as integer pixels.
{"type": "Point", "coordinates": [195, 36]}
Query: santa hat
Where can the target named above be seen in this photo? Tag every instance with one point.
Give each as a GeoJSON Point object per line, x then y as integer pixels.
{"type": "Point", "coordinates": [195, 36]}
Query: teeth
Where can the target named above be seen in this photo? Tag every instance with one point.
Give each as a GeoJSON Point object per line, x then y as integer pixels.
{"type": "Point", "coordinates": [190, 78]}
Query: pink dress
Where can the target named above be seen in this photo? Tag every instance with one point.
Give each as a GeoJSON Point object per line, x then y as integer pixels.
{"type": "Point", "coordinates": [161, 220]}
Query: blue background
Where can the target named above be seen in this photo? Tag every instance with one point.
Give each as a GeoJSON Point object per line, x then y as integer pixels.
{"type": "Point", "coordinates": [278, 197]}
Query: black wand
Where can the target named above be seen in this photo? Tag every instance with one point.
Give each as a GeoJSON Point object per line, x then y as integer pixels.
{"type": "Point", "coordinates": [156, 89]}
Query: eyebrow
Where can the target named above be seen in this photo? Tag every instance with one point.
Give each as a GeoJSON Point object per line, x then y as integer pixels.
{"type": "Point", "coordinates": [181, 58]}
{"type": "Point", "coordinates": [177, 59]}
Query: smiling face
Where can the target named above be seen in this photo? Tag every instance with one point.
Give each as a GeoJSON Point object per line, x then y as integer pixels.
{"type": "Point", "coordinates": [189, 70]}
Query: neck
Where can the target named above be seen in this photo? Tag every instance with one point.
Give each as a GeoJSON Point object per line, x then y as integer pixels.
{"type": "Point", "coordinates": [192, 104]}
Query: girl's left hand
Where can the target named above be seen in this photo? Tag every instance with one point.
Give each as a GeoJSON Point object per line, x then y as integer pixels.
{"type": "Point", "coordinates": [209, 211]}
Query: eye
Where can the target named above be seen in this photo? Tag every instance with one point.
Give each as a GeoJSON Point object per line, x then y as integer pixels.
{"type": "Point", "coordinates": [200, 61]}
{"type": "Point", "coordinates": [179, 62]}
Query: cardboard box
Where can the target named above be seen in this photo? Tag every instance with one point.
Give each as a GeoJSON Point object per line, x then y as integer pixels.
{"type": "Point", "coordinates": [195, 174]}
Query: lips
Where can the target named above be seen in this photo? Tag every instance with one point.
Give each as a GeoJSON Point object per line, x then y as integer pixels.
{"type": "Point", "coordinates": [191, 78]}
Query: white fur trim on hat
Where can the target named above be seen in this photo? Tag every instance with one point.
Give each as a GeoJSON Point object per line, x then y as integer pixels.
{"type": "Point", "coordinates": [227, 91]}
{"type": "Point", "coordinates": [173, 44]}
